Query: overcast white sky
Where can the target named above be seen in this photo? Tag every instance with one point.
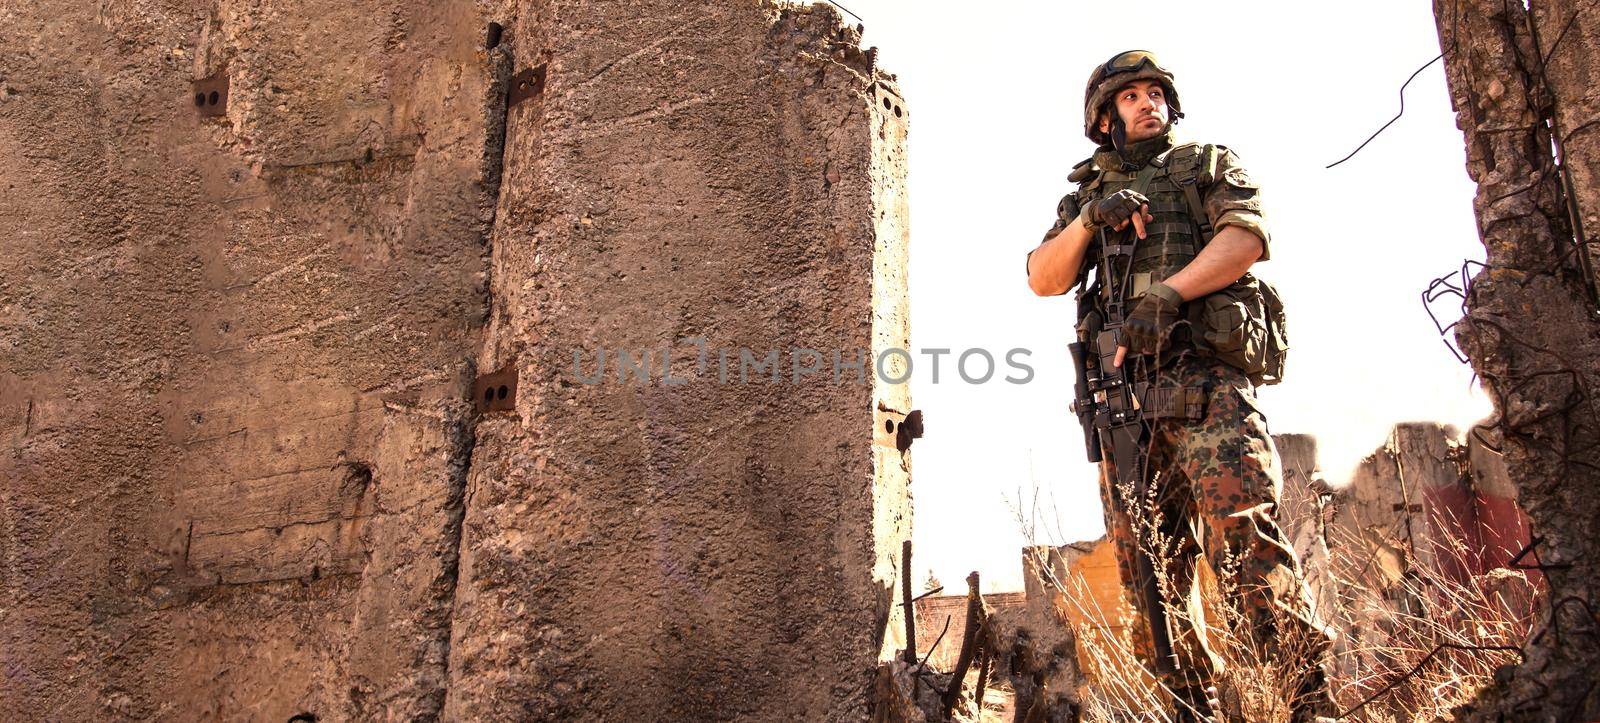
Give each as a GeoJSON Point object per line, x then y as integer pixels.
{"type": "Point", "coordinates": [996, 123]}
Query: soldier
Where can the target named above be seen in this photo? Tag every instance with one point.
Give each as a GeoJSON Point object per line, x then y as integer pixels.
{"type": "Point", "coordinates": [1201, 334]}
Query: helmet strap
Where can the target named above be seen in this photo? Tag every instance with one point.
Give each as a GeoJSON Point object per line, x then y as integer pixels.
{"type": "Point", "coordinates": [1119, 132]}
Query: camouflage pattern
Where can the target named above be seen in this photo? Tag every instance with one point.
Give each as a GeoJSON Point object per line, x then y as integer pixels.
{"type": "Point", "coordinates": [1214, 481]}
{"type": "Point", "coordinates": [1231, 198]}
{"type": "Point", "coordinates": [1216, 487]}
{"type": "Point", "coordinates": [1235, 201]}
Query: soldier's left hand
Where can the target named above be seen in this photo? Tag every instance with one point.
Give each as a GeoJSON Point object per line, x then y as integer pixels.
{"type": "Point", "coordinates": [1151, 320]}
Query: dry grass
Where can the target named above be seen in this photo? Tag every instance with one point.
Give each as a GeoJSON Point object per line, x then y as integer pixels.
{"type": "Point", "coordinates": [1416, 636]}
{"type": "Point", "coordinates": [1418, 640]}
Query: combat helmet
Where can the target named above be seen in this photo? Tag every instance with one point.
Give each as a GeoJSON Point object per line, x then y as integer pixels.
{"type": "Point", "coordinates": [1122, 69]}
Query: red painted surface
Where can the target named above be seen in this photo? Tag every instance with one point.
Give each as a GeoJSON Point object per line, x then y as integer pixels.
{"type": "Point", "coordinates": [1475, 532]}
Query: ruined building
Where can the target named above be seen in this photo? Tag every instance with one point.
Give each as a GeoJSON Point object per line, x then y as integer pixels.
{"type": "Point", "coordinates": [301, 307]}
{"type": "Point", "coordinates": [1427, 519]}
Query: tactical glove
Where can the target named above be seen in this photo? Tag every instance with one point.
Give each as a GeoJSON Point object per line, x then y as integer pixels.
{"type": "Point", "coordinates": [1152, 318]}
{"type": "Point", "coordinates": [1113, 210]}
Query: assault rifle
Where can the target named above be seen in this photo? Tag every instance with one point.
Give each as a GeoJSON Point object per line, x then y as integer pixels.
{"type": "Point", "coordinates": [1106, 405]}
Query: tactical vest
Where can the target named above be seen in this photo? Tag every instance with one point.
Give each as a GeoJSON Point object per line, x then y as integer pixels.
{"type": "Point", "coordinates": [1241, 324]}
{"type": "Point", "coordinates": [1175, 236]}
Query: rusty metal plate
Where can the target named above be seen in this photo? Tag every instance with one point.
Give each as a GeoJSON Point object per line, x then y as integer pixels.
{"type": "Point", "coordinates": [888, 101]}
{"type": "Point", "coordinates": [886, 427]}
{"type": "Point", "coordinates": [496, 391]}
{"type": "Point", "coordinates": [210, 96]}
{"type": "Point", "coordinates": [525, 85]}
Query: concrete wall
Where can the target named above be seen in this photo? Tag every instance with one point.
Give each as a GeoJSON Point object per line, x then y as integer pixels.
{"type": "Point", "coordinates": [709, 548]}
{"type": "Point", "coordinates": [939, 644]}
{"type": "Point", "coordinates": [234, 349]}
{"type": "Point", "coordinates": [1436, 496]}
{"type": "Point", "coordinates": [1530, 330]}
{"type": "Point", "coordinates": [238, 342]}
{"type": "Point", "coordinates": [1414, 532]}
{"type": "Point", "coordinates": [1303, 512]}
{"type": "Point", "coordinates": [1078, 584]}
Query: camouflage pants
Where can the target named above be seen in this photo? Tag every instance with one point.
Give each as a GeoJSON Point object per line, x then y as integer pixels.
{"type": "Point", "coordinates": [1215, 488]}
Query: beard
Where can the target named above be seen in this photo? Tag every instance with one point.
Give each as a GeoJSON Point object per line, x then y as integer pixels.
{"type": "Point", "coordinates": [1141, 130]}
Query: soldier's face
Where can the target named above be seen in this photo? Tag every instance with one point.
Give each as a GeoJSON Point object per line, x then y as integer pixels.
{"type": "Point", "coordinates": [1143, 108]}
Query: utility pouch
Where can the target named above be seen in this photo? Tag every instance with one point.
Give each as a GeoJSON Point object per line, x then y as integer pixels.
{"type": "Point", "coordinates": [1172, 402]}
{"type": "Point", "coordinates": [1231, 326]}
{"type": "Point", "coordinates": [1277, 337]}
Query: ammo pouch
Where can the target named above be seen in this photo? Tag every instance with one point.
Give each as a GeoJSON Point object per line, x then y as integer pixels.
{"type": "Point", "coordinates": [1243, 325]}
{"type": "Point", "coordinates": [1170, 402]}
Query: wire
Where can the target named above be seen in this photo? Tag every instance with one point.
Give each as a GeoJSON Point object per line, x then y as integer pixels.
{"type": "Point", "coordinates": [841, 7]}
{"type": "Point", "coordinates": [1447, 285]}
{"type": "Point", "coordinates": [1391, 120]}
{"type": "Point", "coordinates": [1559, 37]}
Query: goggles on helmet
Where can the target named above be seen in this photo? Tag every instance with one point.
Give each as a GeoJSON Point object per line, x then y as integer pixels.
{"type": "Point", "coordinates": [1136, 65]}
{"type": "Point", "coordinates": [1128, 62]}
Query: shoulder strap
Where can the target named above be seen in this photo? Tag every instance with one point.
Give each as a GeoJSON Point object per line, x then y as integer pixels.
{"type": "Point", "coordinates": [1204, 174]}
{"type": "Point", "coordinates": [1142, 181]}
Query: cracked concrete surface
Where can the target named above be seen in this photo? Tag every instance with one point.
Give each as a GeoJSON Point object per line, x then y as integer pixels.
{"type": "Point", "coordinates": [244, 477]}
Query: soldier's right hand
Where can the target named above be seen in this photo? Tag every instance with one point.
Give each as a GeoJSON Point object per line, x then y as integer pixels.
{"type": "Point", "coordinates": [1117, 210]}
